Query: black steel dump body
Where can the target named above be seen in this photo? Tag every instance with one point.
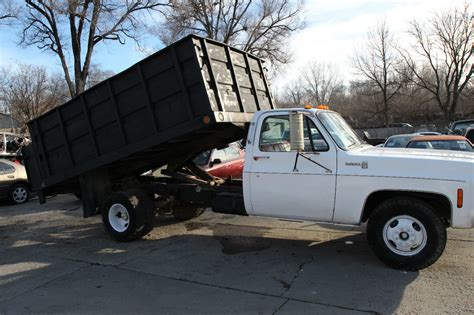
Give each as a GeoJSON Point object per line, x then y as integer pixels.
{"type": "Point", "coordinates": [188, 97]}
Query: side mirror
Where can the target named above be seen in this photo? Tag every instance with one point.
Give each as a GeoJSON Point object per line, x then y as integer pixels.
{"type": "Point", "coordinates": [297, 131]}
{"type": "Point", "coordinates": [216, 161]}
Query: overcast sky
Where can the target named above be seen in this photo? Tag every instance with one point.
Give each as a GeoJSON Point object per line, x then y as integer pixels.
{"type": "Point", "coordinates": [333, 29]}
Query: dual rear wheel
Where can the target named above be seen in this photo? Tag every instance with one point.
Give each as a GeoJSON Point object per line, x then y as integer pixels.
{"type": "Point", "coordinates": [129, 215]}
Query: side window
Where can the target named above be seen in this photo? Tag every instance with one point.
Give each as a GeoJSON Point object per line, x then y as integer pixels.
{"type": "Point", "coordinates": [316, 140]}
{"type": "Point", "coordinates": [232, 153]}
{"type": "Point", "coordinates": [8, 169]}
{"type": "Point", "coordinates": [219, 154]}
{"type": "Point", "coordinates": [275, 134]}
{"type": "Point", "coordinates": [2, 168]}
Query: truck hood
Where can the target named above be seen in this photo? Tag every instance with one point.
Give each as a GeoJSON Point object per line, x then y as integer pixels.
{"type": "Point", "coordinates": [409, 163]}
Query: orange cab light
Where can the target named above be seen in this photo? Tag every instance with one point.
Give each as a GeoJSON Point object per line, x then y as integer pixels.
{"type": "Point", "coordinates": [308, 107]}
{"type": "Point", "coordinates": [460, 198]}
{"type": "Point", "coordinates": [322, 107]}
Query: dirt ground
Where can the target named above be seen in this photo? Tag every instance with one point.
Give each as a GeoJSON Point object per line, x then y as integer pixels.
{"type": "Point", "coordinates": [54, 261]}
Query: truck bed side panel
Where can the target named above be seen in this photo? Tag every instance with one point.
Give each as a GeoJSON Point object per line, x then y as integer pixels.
{"type": "Point", "coordinates": [146, 108]}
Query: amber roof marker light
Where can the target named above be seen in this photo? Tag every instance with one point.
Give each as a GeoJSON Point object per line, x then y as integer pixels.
{"type": "Point", "coordinates": [307, 106]}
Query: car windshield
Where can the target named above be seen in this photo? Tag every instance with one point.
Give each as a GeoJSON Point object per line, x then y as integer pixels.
{"type": "Point", "coordinates": [344, 136]}
{"type": "Point", "coordinates": [397, 141]}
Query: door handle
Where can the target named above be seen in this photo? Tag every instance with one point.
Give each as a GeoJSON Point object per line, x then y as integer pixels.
{"type": "Point", "coordinates": [11, 176]}
{"type": "Point", "coordinates": [263, 157]}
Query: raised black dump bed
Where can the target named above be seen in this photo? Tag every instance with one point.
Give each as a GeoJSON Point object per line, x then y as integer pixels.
{"type": "Point", "coordinates": [191, 96]}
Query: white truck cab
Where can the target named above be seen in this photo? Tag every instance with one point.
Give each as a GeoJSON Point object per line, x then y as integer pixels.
{"type": "Point", "coordinates": [408, 196]}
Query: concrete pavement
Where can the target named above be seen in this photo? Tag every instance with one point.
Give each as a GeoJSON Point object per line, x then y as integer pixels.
{"type": "Point", "coordinates": [54, 261]}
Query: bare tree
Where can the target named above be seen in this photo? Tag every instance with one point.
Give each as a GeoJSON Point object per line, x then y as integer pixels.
{"type": "Point", "coordinates": [381, 66]}
{"type": "Point", "coordinates": [97, 75]}
{"type": "Point", "coordinates": [27, 92]}
{"type": "Point", "coordinates": [8, 11]}
{"type": "Point", "coordinates": [259, 27]}
{"type": "Point", "coordinates": [322, 82]}
{"type": "Point", "coordinates": [445, 44]}
{"type": "Point", "coordinates": [294, 94]}
{"type": "Point", "coordinates": [319, 83]}
{"type": "Point", "coordinates": [72, 29]}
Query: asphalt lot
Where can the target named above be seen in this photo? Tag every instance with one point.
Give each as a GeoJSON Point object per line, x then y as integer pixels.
{"type": "Point", "coordinates": [54, 261]}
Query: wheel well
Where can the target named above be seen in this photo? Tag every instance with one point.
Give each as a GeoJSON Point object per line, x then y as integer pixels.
{"type": "Point", "coordinates": [438, 202]}
{"type": "Point", "coordinates": [21, 182]}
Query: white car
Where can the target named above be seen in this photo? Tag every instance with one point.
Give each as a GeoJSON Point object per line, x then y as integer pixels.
{"type": "Point", "coordinates": [13, 182]}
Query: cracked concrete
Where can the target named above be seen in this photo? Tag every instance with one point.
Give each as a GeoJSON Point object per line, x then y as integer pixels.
{"type": "Point", "coordinates": [54, 261]}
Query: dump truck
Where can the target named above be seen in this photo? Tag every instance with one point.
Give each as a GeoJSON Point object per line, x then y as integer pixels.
{"type": "Point", "coordinates": [300, 163]}
{"type": "Point", "coordinates": [192, 96]}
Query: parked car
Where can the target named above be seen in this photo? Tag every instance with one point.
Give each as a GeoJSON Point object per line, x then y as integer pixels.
{"type": "Point", "coordinates": [429, 133]}
{"type": "Point", "coordinates": [224, 163]}
{"type": "Point", "coordinates": [399, 141]}
{"type": "Point", "coordinates": [453, 143]}
{"type": "Point", "coordinates": [400, 125]}
{"type": "Point", "coordinates": [13, 182]}
{"type": "Point", "coordinates": [459, 127]}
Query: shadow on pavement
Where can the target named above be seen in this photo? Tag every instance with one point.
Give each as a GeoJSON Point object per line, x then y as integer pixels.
{"type": "Point", "coordinates": [56, 255]}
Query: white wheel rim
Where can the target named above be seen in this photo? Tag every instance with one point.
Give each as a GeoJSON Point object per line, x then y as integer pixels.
{"type": "Point", "coordinates": [119, 218]}
{"type": "Point", "coordinates": [20, 194]}
{"type": "Point", "coordinates": [404, 235]}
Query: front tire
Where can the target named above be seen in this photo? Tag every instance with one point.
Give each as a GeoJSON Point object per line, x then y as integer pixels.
{"type": "Point", "coordinates": [406, 233]}
{"type": "Point", "coordinates": [128, 216]}
{"type": "Point", "coordinates": [19, 193]}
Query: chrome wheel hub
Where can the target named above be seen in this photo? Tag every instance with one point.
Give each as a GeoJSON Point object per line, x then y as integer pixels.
{"type": "Point", "coordinates": [404, 235]}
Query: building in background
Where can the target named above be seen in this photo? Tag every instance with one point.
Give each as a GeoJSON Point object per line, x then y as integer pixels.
{"type": "Point", "coordinates": [8, 123]}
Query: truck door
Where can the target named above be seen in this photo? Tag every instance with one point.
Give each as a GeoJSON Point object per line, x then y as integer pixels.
{"type": "Point", "coordinates": [285, 184]}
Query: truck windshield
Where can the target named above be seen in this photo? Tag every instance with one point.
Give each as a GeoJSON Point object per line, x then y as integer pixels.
{"type": "Point", "coordinates": [344, 136]}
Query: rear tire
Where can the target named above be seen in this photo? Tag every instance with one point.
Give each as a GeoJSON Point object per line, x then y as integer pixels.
{"type": "Point", "coordinates": [406, 233]}
{"type": "Point", "coordinates": [128, 216]}
{"type": "Point", "coordinates": [19, 193]}
{"type": "Point", "coordinates": [183, 213]}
